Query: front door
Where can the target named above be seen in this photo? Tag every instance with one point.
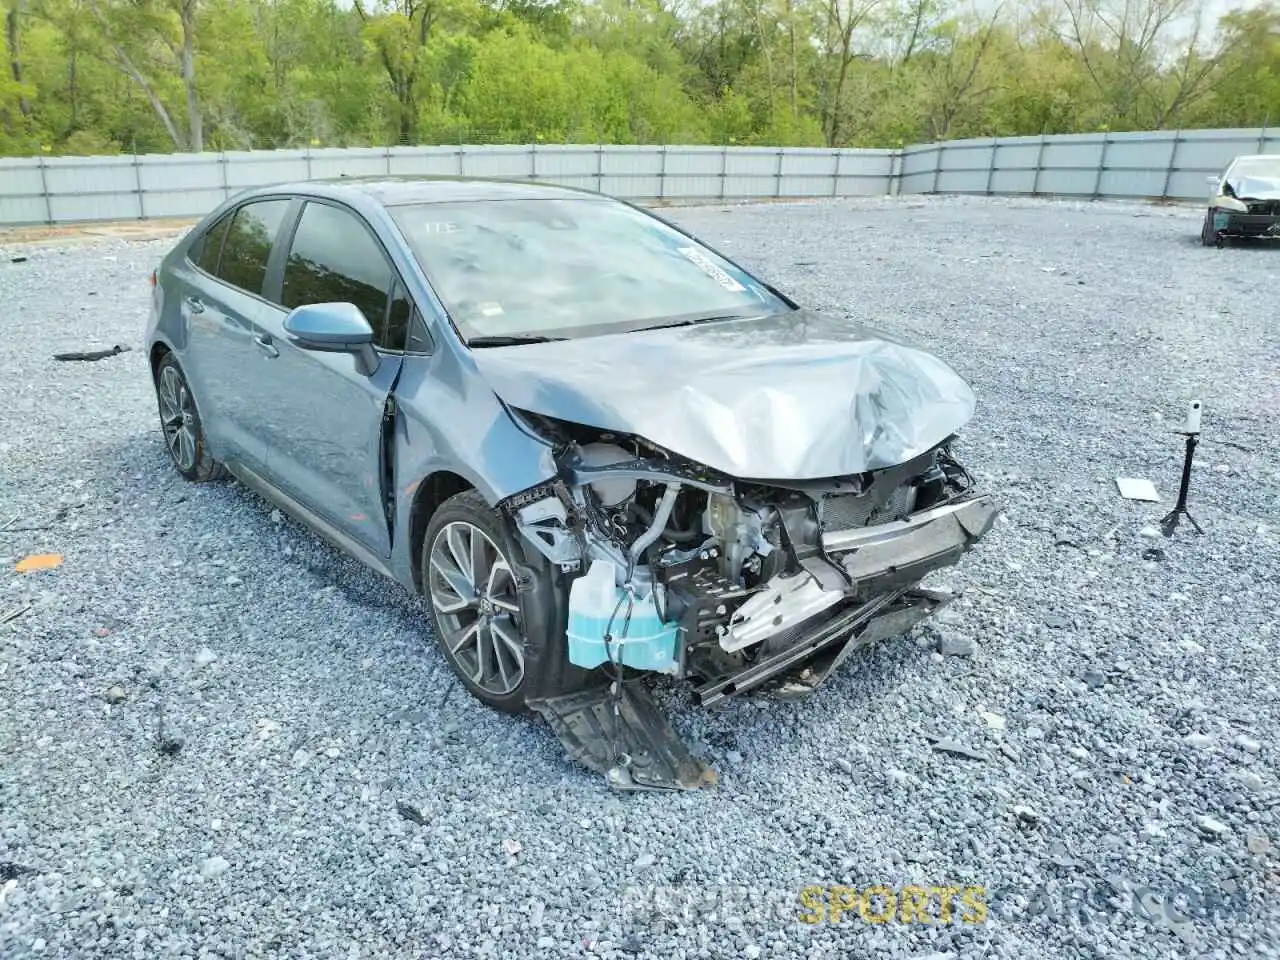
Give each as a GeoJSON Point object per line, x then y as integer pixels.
{"type": "Point", "coordinates": [324, 420]}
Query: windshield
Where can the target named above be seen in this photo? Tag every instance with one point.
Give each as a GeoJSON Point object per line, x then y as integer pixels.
{"type": "Point", "coordinates": [570, 268]}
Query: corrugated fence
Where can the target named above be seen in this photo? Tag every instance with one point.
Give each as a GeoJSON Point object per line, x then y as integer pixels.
{"type": "Point", "coordinates": [1160, 164]}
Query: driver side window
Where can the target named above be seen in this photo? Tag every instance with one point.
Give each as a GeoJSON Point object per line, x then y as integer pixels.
{"type": "Point", "coordinates": [335, 258]}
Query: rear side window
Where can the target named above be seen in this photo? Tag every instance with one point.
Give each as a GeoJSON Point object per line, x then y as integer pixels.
{"type": "Point", "coordinates": [248, 244]}
{"type": "Point", "coordinates": [334, 259]}
{"type": "Point", "coordinates": [205, 251]}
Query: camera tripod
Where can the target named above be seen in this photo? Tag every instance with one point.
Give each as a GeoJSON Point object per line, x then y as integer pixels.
{"type": "Point", "coordinates": [1170, 521]}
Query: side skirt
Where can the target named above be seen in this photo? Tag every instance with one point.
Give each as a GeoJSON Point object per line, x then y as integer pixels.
{"type": "Point", "coordinates": [308, 518]}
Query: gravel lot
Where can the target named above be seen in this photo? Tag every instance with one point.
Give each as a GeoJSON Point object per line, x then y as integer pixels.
{"type": "Point", "coordinates": [280, 709]}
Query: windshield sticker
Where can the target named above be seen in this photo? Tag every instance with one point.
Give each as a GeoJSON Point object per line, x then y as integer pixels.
{"type": "Point", "coordinates": [697, 257]}
{"type": "Point", "coordinates": [490, 309]}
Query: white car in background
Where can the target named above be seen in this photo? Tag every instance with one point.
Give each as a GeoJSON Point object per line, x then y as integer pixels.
{"type": "Point", "coordinates": [1245, 201]}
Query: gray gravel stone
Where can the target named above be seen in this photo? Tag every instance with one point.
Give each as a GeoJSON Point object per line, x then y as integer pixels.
{"type": "Point", "coordinates": [1210, 825]}
{"type": "Point", "coordinates": [957, 749]}
{"type": "Point", "coordinates": [1252, 782]}
{"type": "Point", "coordinates": [1247, 744]}
{"type": "Point", "coordinates": [1068, 379]}
{"type": "Point", "coordinates": [956, 646]}
{"type": "Point", "coordinates": [214, 867]}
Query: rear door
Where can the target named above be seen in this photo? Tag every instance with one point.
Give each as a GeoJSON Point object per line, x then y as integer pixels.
{"type": "Point", "coordinates": [224, 309]}
{"type": "Point", "coordinates": [325, 426]}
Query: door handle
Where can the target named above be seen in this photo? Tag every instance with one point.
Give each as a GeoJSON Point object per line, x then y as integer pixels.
{"type": "Point", "coordinates": [263, 340]}
{"type": "Point", "coordinates": [195, 304]}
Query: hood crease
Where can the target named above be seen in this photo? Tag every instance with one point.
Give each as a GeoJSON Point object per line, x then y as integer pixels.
{"type": "Point", "coordinates": [794, 396]}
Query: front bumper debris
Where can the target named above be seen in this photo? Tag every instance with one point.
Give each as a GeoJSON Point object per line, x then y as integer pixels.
{"type": "Point", "coordinates": [1259, 225]}
{"type": "Point", "coordinates": [816, 650]}
{"type": "Point", "coordinates": [621, 733]}
{"type": "Point", "coordinates": [795, 629]}
{"type": "Point", "coordinates": [901, 551]}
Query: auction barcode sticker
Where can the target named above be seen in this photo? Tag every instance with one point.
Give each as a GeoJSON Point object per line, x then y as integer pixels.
{"type": "Point", "coordinates": [696, 256]}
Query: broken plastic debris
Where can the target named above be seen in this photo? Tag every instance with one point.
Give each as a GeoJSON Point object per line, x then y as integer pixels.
{"type": "Point", "coordinates": [994, 720]}
{"type": "Point", "coordinates": [39, 561]}
{"type": "Point", "coordinates": [512, 847]}
{"type": "Point", "coordinates": [14, 614]}
{"type": "Point", "coordinates": [1133, 488]}
{"type": "Point", "coordinates": [92, 354]}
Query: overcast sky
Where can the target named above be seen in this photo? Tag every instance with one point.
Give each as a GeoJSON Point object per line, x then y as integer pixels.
{"type": "Point", "coordinates": [1214, 9]}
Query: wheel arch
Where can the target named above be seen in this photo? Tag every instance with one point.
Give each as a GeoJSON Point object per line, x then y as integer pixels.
{"type": "Point", "coordinates": [433, 490]}
{"type": "Point", "coordinates": [159, 350]}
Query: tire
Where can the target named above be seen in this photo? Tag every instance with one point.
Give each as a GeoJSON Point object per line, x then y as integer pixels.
{"type": "Point", "coordinates": [181, 426]}
{"type": "Point", "coordinates": [1206, 231]}
{"type": "Point", "coordinates": [501, 631]}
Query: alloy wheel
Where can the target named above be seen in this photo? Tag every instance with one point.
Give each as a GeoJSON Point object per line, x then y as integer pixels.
{"type": "Point", "coordinates": [473, 591]}
{"type": "Point", "coordinates": [178, 418]}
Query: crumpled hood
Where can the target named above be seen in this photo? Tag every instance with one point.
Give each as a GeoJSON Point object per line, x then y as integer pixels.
{"type": "Point", "coordinates": [1256, 188]}
{"type": "Point", "coordinates": [1261, 195]}
{"type": "Point", "coordinates": [796, 396]}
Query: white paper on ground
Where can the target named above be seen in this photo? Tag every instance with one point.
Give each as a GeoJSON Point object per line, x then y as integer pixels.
{"type": "Point", "coordinates": [1132, 488]}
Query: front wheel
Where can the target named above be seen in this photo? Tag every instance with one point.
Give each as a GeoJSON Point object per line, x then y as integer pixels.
{"type": "Point", "coordinates": [1206, 231]}
{"type": "Point", "coordinates": [498, 612]}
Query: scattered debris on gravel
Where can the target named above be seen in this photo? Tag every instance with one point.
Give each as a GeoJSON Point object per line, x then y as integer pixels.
{"type": "Point", "coordinates": [92, 354]}
{"type": "Point", "coordinates": [221, 737]}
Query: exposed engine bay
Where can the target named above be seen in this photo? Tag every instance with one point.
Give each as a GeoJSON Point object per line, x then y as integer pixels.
{"type": "Point", "coordinates": [679, 570]}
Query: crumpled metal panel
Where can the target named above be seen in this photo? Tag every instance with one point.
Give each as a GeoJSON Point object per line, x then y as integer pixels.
{"type": "Point", "coordinates": [1255, 188]}
{"type": "Point", "coordinates": [794, 396]}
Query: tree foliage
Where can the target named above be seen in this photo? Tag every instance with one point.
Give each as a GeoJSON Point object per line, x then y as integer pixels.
{"type": "Point", "coordinates": [103, 76]}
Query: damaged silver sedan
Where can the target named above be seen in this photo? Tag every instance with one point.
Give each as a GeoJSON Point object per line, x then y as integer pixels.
{"type": "Point", "coordinates": [599, 448]}
{"type": "Point", "coordinates": [1245, 201]}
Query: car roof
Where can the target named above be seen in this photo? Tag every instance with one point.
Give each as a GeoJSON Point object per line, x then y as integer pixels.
{"type": "Point", "coordinates": [1257, 156]}
{"type": "Point", "coordinates": [391, 191]}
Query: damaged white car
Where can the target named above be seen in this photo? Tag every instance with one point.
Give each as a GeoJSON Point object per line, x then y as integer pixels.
{"type": "Point", "coordinates": [599, 448]}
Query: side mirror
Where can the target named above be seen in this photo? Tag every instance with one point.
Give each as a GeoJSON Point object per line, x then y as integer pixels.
{"type": "Point", "coordinates": [334, 328]}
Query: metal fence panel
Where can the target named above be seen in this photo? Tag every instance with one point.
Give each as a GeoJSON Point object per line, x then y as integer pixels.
{"type": "Point", "coordinates": [21, 176]}
{"type": "Point", "coordinates": [183, 171]}
{"type": "Point", "coordinates": [863, 173]}
{"type": "Point", "coordinates": [69, 208]}
{"type": "Point", "coordinates": [182, 203]}
{"type": "Point", "coordinates": [16, 209]}
{"type": "Point", "coordinates": [809, 162]}
{"type": "Point", "coordinates": [258, 168]}
{"type": "Point", "coordinates": [513, 162]}
{"type": "Point", "coordinates": [964, 166]}
{"type": "Point", "coordinates": [424, 161]}
{"type": "Point", "coordinates": [1160, 163]}
{"type": "Point", "coordinates": [558, 161]}
{"type": "Point", "coordinates": [352, 162]}
{"type": "Point", "coordinates": [1014, 163]}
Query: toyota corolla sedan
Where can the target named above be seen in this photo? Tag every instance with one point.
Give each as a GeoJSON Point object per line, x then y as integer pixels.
{"type": "Point", "coordinates": [600, 449]}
